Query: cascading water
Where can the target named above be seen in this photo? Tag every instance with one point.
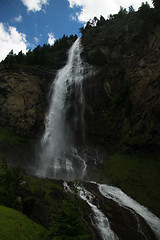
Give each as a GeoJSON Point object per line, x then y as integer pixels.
{"type": "Point", "coordinates": [59, 157]}
{"type": "Point", "coordinates": [123, 200]}
{"type": "Point", "coordinates": [100, 221]}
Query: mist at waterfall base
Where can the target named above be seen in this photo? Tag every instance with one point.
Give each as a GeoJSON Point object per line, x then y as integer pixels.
{"type": "Point", "coordinates": [62, 153]}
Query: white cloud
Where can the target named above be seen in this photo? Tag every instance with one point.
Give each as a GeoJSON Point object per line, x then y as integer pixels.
{"type": "Point", "coordinates": [36, 39]}
{"type": "Point", "coordinates": [51, 38]}
{"type": "Point", "coordinates": [18, 19]}
{"type": "Point", "coordinates": [95, 8]}
{"type": "Point", "coordinates": [10, 39]}
{"type": "Point", "coordinates": [34, 5]}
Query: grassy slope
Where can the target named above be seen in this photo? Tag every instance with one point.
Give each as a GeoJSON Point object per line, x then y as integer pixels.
{"type": "Point", "coordinates": [7, 136]}
{"type": "Point", "coordinates": [45, 188]}
{"type": "Point", "coordinates": [15, 226]}
{"type": "Point", "coordinates": [136, 174]}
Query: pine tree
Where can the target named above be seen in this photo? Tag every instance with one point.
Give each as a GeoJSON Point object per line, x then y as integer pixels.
{"type": "Point", "coordinates": [156, 4]}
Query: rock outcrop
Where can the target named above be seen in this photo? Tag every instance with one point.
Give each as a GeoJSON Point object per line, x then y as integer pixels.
{"type": "Point", "coordinates": [23, 99]}
{"type": "Point", "coordinates": [123, 94]}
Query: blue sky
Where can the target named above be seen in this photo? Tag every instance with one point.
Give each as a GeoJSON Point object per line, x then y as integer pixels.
{"type": "Point", "coordinates": [26, 23]}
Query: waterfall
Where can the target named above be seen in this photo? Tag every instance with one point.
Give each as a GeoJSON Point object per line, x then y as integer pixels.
{"type": "Point", "coordinates": [59, 157]}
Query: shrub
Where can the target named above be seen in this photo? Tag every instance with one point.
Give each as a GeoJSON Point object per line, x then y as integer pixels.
{"type": "Point", "coordinates": [10, 179]}
{"type": "Point", "coordinates": [67, 223]}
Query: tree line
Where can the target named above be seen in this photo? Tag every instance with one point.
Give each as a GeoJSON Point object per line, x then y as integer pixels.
{"type": "Point", "coordinates": [42, 55]}
{"type": "Point", "coordinates": [145, 11]}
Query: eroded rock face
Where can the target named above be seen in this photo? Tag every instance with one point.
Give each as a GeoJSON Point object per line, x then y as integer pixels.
{"type": "Point", "coordinates": [23, 99]}
{"type": "Point", "coordinates": [123, 94]}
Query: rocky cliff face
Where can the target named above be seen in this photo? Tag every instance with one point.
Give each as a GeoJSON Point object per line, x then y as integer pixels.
{"type": "Point", "coordinates": [123, 95]}
{"type": "Point", "coordinates": [25, 84]}
{"type": "Point", "coordinates": [23, 99]}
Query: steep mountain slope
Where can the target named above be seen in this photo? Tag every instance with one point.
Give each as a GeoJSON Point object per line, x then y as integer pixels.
{"type": "Point", "coordinates": [122, 96]}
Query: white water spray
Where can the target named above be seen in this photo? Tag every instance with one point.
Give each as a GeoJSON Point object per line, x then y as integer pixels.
{"type": "Point", "coordinates": [122, 199]}
{"type": "Point", "coordinates": [100, 221]}
{"type": "Point", "coordinates": [58, 158]}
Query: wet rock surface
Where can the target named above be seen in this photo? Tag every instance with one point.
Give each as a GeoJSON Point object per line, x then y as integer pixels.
{"type": "Point", "coordinates": [126, 223]}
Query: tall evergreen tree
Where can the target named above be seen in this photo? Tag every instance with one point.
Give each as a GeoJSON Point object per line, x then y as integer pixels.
{"type": "Point", "coordinates": [156, 4]}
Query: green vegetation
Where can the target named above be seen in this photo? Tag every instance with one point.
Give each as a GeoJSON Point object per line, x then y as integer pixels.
{"type": "Point", "coordinates": [7, 136]}
{"type": "Point", "coordinates": [45, 202]}
{"type": "Point", "coordinates": [67, 222]}
{"type": "Point", "coordinates": [43, 191]}
{"type": "Point", "coordinates": [16, 226]}
{"type": "Point", "coordinates": [136, 174]}
{"type": "Point", "coordinates": [121, 32]}
{"type": "Point", "coordinates": [10, 180]}
{"type": "Point", "coordinates": [46, 55]}
{"type": "Point", "coordinates": [64, 210]}
{"type": "Point", "coordinates": [156, 4]}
